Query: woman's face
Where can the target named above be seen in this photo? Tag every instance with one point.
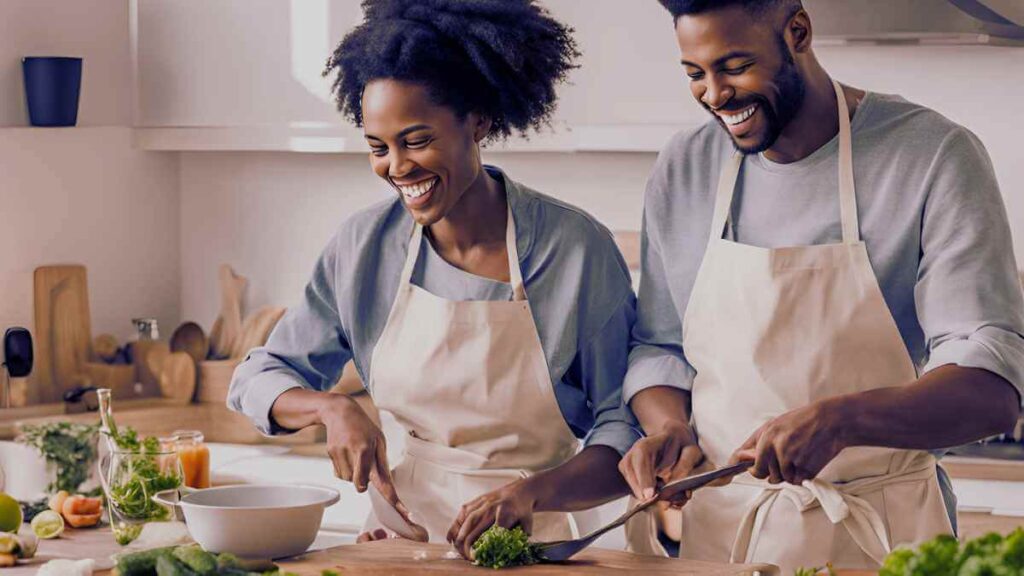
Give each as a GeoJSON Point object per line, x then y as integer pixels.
{"type": "Point", "coordinates": [425, 151]}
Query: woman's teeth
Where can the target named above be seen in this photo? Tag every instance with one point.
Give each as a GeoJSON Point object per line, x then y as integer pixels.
{"type": "Point", "coordinates": [418, 189]}
{"type": "Point", "coordinates": [735, 119]}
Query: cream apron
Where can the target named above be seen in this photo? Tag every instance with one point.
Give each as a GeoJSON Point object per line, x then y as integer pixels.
{"type": "Point", "coordinates": [469, 383]}
{"type": "Point", "coordinates": [771, 330]}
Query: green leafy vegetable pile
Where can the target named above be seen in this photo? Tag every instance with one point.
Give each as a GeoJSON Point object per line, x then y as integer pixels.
{"type": "Point", "coordinates": [500, 547]}
{"type": "Point", "coordinates": [989, 555]}
{"type": "Point", "coordinates": [70, 448]}
{"type": "Point", "coordinates": [192, 560]}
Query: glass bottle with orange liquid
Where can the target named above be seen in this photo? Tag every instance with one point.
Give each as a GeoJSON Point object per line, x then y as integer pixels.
{"type": "Point", "coordinates": [194, 456]}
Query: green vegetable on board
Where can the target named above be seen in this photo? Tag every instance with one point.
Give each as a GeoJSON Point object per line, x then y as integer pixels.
{"type": "Point", "coordinates": [199, 560]}
{"type": "Point", "coordinates": [500, 547]}
{"type": "Point", "coordinates": [192, 560]}
{"type": "Point", "coordinates": [989, 555]}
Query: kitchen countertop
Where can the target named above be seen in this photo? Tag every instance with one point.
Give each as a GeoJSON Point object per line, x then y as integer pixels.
{"type": "Point", "coordinates": [402, 557]}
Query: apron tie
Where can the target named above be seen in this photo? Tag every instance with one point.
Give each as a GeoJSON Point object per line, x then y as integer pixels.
{"type": "Point", "coordinates": [841, 503]}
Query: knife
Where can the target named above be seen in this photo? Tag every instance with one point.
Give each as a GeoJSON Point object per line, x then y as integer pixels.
{"type": "Point", "coordinates": [673, 489]}
{"type": "Point", "coordinates": [392, 519]}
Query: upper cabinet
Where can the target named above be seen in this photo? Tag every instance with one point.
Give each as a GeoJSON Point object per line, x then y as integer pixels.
{"type": "Point", "coordinates": [246, 75]}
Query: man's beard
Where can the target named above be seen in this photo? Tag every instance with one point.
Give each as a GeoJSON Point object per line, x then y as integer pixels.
{"type": "Point", "coordinates": [791, 92]}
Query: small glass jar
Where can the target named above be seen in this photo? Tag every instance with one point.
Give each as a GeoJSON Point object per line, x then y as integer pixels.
{"type": "Point", "coordinates": [194, 456]}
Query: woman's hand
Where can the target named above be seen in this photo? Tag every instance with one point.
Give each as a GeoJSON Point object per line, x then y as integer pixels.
{"type": "Point", "coordinates": [509, 506]}
{"type": "Point", "coordinates": [667, 455]}
{"type": "Point", "coordinates": [358, 449]}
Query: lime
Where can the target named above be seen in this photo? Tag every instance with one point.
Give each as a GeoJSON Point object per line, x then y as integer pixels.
{"type": "Point", "coordinates": [8, 543]}
{"type": "Point", "coordinates": [48, 524]}
{"type": "Point", "coordinates": [10, 514]}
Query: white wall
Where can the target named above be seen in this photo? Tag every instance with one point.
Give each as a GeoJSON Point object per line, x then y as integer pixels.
{"type": "Point", "coordinates": [270, 214]}
{"type": "Point", "coordinates": [95, 30]}
{"type": "Point", "coordinates": [976, 86]}
{"type": "Point", "coordinates": [84, 195]}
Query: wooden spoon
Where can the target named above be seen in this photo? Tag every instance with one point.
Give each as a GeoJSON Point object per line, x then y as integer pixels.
{"type": "Point", "coordinates": [178, 377]}
{"type": "Point", "coordinates": [231, 286]}
{"type": "Point", "coordinates": [190, 338]}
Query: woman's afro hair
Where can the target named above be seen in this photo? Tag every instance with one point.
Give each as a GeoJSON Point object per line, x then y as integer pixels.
{"type": "Point", "coordinates": [499, 58]}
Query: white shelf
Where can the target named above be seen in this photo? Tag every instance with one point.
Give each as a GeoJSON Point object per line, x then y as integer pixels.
{"type": "Point", "coordinates": [320, 139]}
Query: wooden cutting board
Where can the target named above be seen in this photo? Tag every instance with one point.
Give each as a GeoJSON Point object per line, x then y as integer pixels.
{"type": "Point", "coordinates": [178, 377]}
{"type": "Point", "coordinates": [395, 557]}
{"type": "Point", "coordinates": [224, 340]}
{"type": "Point", "coordinates": [63, 335]}
{"type": "Point", "coordinates": [256, 330]}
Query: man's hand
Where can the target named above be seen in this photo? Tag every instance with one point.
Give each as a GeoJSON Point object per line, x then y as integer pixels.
{"type": "Point", "coordinates": [667, 455]}
{"type": "Point", "coordinates": [795, 446]}
{"type": "Point", "coordinates": [507, 507]}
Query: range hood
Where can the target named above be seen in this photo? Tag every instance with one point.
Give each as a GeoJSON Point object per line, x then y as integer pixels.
{"type": "Point", "coordinates": [918, 21]}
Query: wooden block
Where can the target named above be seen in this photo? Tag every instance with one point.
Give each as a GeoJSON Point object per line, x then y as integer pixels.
{"type": "Point", "coordinates": [120, 378]}
{"type": "Point", "coordinates": [628, 242]}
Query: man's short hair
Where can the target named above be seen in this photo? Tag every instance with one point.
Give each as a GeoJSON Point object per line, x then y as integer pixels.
{"type": "Point", "coordinates": [757, 8]}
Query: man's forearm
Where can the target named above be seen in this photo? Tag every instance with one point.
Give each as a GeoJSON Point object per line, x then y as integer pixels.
{"type": "Point", "coordinates": [298, 408]}
{"type": "Point", "coordinates": [659, 406]}
{"type": "Point", "coordinates": [586, 480]}
{"type": "Point", "coordinates": [947, 407]}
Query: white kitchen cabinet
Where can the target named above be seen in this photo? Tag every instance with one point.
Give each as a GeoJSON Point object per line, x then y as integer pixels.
{"type": "Point", "coordinates": [245, 75]}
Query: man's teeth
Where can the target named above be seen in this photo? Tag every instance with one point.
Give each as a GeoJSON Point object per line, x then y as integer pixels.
{"type": "Point", "coordinates": [737, 118]}
{"type": "Point", "coordinates": [418, 189]}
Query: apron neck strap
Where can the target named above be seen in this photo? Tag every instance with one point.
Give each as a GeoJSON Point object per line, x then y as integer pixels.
{"type": "Point", "coordinates": [847, 191]}
{"type": "Point", "coordinates": [723, 197]}
{"type": "Point", "coordinates": [515, 274]}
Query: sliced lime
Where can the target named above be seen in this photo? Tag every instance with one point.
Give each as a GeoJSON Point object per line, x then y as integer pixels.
{"type": "Point", "coordinates": [48, 524]}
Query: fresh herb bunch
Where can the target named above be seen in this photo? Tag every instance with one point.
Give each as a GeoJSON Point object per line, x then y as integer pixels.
{"type": "Point", "coordinates": [139, 478]}
{"type": "Point", "coordinates": [989, 555]}
{"type": "Point", "coordinates": [71, 448]}
{"type": "Point", "coordinates": [500, 547]}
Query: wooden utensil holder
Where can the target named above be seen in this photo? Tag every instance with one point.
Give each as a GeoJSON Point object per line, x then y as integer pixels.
{"type": "Point", "coordinates": [215, 379]}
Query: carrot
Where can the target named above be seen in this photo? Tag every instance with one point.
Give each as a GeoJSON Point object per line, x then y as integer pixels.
{"type": "Point", "coordinates": [83, 520]}
{"type": "Point", "coordinates": [81, 505]}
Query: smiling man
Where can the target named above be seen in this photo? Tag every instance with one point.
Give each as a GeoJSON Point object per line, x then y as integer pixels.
{"type": "Point", "coordinates": [828, 291]}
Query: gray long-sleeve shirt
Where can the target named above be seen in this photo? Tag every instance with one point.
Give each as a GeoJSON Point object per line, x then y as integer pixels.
{"type": "Point", "coordinates": [575, 278]}
{"type": "Point", "coordinates": [930, 213]}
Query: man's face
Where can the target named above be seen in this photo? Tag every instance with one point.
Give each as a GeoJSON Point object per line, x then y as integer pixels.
{"type": "Point", "coordinates": [742, 72]}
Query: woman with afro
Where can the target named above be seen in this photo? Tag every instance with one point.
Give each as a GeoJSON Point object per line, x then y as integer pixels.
{"type": "Point", "coordinates": [490, 320]}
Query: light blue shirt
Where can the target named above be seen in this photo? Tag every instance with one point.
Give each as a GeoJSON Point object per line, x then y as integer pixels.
{"type": "Point", "coordinates": [930, 214]}
{"type": "Point", "coordinates": [576, 281]}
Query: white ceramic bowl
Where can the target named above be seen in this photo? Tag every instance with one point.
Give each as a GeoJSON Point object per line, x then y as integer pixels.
{"type": "Point", "coordinates": [254, 520]}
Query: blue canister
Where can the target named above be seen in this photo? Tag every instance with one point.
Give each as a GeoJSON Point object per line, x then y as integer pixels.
{"type": "Point", "coordinates": [52, 85]}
